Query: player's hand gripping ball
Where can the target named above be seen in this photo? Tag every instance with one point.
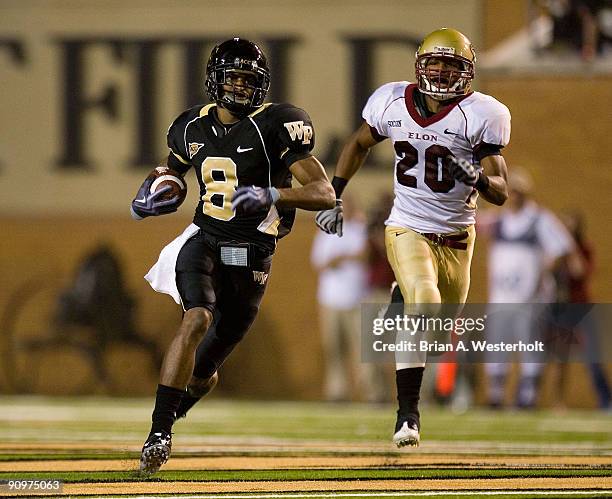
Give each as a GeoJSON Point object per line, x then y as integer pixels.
{"type": "Point", "coordinates": [163, 177]}
{"type": "Point", "coordinates": [163, 191]}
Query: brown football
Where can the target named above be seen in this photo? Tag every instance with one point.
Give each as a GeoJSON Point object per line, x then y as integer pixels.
{"type": "Point", "coordinates": [162, 176]}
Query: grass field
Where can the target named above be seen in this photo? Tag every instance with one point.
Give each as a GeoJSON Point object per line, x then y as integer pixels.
{"type": "Point", "coordinates": [290, 450]}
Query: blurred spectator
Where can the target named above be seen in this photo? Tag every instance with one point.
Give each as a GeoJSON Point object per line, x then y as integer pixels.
{"type": "Point", "coordinates": [342, 287]}
{"type": "Point", "coordinates": [583, 26]}
{"type": "Point", "coordinates": [377, 388]}
{"type": "Point", "coordinates": [604, 23]}
{"type": "Point", "coordinates": [573, 287]}
{"type": "Point", "coordinates": [380, 273]}
{"type": "Point", "coordinates": [527, 243]}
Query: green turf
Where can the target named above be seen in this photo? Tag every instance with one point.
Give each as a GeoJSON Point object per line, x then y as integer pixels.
{"type": "Point", "coordinates": [247, 428]}
{"type": "Point", "coordinates": [309, 474]}
{"type": "Point", "coordinates": [81, 420]}
{"type": "Point", "coordinates": [72, 456]}
{"type": "Point", "coordinates": [127, 456]}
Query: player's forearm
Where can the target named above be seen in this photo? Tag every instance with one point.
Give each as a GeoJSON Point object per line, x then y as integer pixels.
{"type": "Point", "coordinates": [493, 189]}
{"type": "Point", "coordinates": [351, 159]}
{"type": "Point", "coordinates": [316, 195]}
{"type": "Point", "coordinates": [492, 184]}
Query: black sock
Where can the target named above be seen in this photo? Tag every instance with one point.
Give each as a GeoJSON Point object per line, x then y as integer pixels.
{"type": "Point", "coordinates": [187, 402]}
{"type": "Point", "coordinates": [408, 388]}
{"type": "Point", "coordinates": [166, 405]}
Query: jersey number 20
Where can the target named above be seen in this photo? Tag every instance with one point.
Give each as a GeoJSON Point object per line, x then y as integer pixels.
{"type": "Point", "coordinates": [437, 173]}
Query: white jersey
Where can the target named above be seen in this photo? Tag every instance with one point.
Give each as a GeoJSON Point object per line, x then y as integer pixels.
{"type": "Point", "coordinates": [343, 286]}
{"type": "Point", "coordinates": [522, 243]}
{"type": "Point", "coordinates": [427, 197]}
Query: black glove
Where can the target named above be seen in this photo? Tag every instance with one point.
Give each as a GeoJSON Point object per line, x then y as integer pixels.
{"type": "Point", "coordinates": [253, 199]}
{"type": "Point", "coordinates": [330, 221]}
{"type": "Point", "coordinates": [147, 204]}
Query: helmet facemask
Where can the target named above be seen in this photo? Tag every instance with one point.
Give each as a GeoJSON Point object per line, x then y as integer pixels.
{"type": "Point", "coordinates": [236, 98]}
{"type": "Point", "coordinates": [446, 83]}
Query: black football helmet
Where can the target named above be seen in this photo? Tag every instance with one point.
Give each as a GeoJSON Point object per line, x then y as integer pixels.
{"type": "Point", "coordinates": [242, 56]}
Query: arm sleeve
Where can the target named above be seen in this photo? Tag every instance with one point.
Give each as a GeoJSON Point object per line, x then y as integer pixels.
{"type": "Point", "coordinates": [295, 133]}
{"type": "Point", "coordinates": [483, 150]}
{"type": "Point", "coordinates": [177, 164]}
{"type": "Point", "coordinates": [178, 157]}
{"type": "Point", "coordinates": [374, 110]}
{"type": "Point", "coordinates": [493, 132]}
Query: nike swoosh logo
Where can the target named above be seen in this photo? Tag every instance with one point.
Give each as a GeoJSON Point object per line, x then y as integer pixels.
{"type": "Point", "coordinates": [448, 132]}
{"type": "Point", "coordinates": [143, 200]}
{"type": "Point", "coordinates": [240, 149]}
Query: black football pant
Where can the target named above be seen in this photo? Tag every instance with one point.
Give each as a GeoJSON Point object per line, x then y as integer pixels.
{"type": "Point", "coordinates": [232, 293]}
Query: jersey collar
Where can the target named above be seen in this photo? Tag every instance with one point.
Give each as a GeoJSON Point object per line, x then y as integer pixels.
{"type": "Point", "coordinates": [414, 113]}
{"type": "Point", "coordinates": [204, 111]}
{"type": "Point", "coordinates": [260, 109]}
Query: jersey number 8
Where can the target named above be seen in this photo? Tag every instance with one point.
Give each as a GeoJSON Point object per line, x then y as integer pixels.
{"type": "Point", "coordinates": [220, 178]}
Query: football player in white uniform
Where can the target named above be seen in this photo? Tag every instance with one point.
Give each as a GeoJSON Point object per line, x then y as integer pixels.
{"type": "Point", "coordinates": [447, 141]}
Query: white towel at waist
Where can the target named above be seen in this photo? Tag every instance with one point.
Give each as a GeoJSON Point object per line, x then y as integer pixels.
{"type": "Point", "coordinates": [162, 276]}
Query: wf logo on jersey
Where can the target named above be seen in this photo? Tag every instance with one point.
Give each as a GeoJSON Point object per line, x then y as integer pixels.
{"type": "Point", "coordinates": [194, 147]}
{"type": "Point", "coordinates": [297, 130]}
{"type": "Point", "coordinates": [260, 277]}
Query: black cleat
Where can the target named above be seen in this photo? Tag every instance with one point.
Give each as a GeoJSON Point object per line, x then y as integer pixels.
{"type": "Point", "coordinates": [155, 452]}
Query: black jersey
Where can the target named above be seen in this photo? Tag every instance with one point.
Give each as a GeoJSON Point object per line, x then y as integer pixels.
{"type": "Point", "coordinates": [258, 150]}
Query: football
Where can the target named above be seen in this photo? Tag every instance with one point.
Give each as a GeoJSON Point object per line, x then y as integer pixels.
{"type": "Point", "coordinates": [163, 176]}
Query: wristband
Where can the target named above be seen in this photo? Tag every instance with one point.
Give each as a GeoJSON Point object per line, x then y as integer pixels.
{"type": "Point", "coordinates": [274, 194]}
{"type": "Point", "coordinates": [135, 215]}
{"type": "Point", "coordinates": [482, 184]}
{"type": "Point", "coordinates": [339, 183]}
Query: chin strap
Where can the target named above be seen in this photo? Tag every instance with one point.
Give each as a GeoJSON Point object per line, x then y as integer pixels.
{"type": "Point", "coordinates": [238, 110]}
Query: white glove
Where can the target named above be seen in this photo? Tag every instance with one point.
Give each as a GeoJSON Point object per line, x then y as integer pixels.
{"type": "Point", "coordinates": [330, 221]}
{"type": "Point", "coordinates": [462, 170]}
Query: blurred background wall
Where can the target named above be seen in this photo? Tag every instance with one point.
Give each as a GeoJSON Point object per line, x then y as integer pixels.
{"type": "Point", "coordinates": [89, 89]}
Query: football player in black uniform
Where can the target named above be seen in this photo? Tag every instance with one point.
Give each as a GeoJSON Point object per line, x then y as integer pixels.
{"type": "Point", "coordinates": [245, 154]}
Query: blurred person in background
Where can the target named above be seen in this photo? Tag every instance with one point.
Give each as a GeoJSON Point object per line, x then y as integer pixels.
{"type": "Point", "coordinates": [447, 141]}
{"type": "Point", "coordinates": [527, 243]}
{"type": "Point", "coordinates": [342, 287]}
{"type": "Point", "coordinates": [380, 273]}
{"type": "Point", "coordinates": [245, 154]}
{"type": "Point", "coordinates": [578, 25]}
{"type": "Point", "coordinates": [573, 280]}
{"type": "Point", "coordinates": [380, 280]}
